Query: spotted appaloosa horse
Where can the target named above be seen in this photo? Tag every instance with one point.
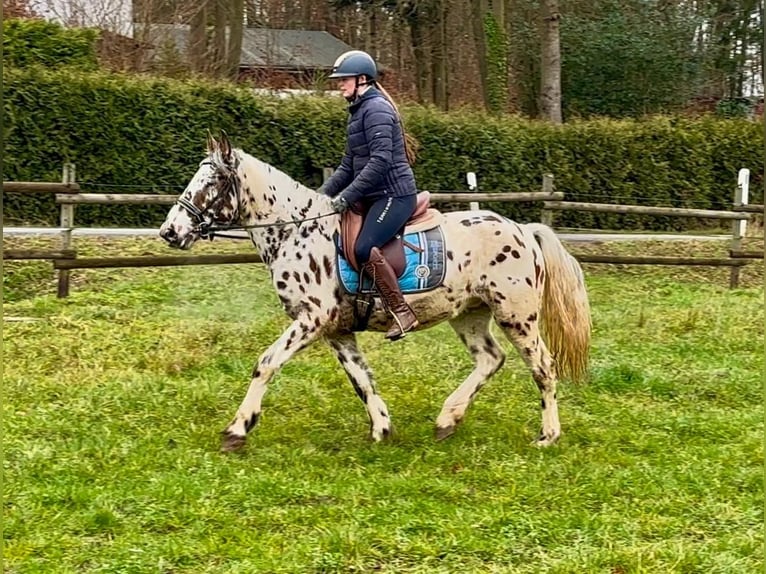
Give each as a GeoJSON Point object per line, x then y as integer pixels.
{"type": "Point", "coordinates": [519, 275]}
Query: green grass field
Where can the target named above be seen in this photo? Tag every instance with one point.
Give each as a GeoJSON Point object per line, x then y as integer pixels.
{"type": "Point", "coordinates": [114, 398]}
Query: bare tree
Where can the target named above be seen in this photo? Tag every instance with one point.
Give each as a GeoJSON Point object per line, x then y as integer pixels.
{"type": "Point", "coordinates": [550, 69]}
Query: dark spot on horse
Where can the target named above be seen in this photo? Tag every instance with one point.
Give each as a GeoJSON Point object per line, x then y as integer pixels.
{"type": "Point", "coordinates": [466, 222]}
{"type": "Point", "coordinates": [501, 257]}
{"type": "Point", "coordinates": [516, 254]}
{"type": "Point", "coordinates": [529, 281]}
{"type": "Point", "coordinates": [449, 255]}
{"type": "Point", "coordinates": [244, 175]}
{"type": "Point", "coordinates": [542, 404]}
{"type": "Point", "coordinates": [492, 284]}
{"type": "Point", "coordinates": [499, 297]}
{"type": "Point", "coordinates": [327, 265]}
{"type": "Point", "coordinates": [519, 241]}
{"type": "Point", "coordinates": [315, 300]}
{"type": "Point", "coordinates": [532, 317]}
{"type": "Point", "coordinates": [281, 285]}
{"type": "Point", "coordinates": [333, 313]}
{"type": "Point", "coordinates": [491, 218]}
{"type": "Point", "coordinates": [285, 275]}
{"type": "Point", "coordinates": [337, 294]}
{"type": "Point", "coordinates": [301, 288]}
{"type": "Point", "coordinates": [505, 324]}
{"type": "Point", "coordinates": [497, 232]}
{"type": "Point", "coordinates": [506, 248]}
{"type": "Point", "coordinates": [256, 373]}
{"type": "Point", "coordinates": [306, 277]}
{"type": "Point", "coordinates": [299, 255]}
{"type": "Point", "coordinates": [459, 268]}
{"type": "Point", "coordinates": [314, 267]}
{"type": "Point", "coordinates": [297, 276]}
{"type": "Point", "coordinates": [252, 421]}
{"type": "Point", "coordinates": [359, 392]}
{"type": "Point", "coordinates": [383, 413]}
{"type": "Point", "coordinates": [317, 322]}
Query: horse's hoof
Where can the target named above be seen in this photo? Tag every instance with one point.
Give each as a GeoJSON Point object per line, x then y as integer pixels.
{"type": "Point", "coordinates": [382, 434]}
{"type": "Point", "coordinates": [232, 442]}
{"type": "Point", "coordinates": [545, 441]}
{"type": "Point", "coordinates": [444, 432]}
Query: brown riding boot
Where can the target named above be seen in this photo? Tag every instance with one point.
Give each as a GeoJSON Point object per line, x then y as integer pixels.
{"type": "Point", "coordinates": [385, 280]}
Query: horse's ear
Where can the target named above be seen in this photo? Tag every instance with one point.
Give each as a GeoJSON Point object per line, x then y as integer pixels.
{"type": "Point", "coordinates": [212, 145]}
{"type": "Point", "coordinates": [225, 147]}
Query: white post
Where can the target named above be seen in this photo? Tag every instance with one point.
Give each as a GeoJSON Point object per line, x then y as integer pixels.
{"type": "Point", "coordinates": [473, 186]}
{"type": "Point", "coordinates": [326, 173]}
{"type": "Point", "coordinates": [739, 226]}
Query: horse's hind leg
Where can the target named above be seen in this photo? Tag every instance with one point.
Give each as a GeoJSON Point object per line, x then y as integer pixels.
{"type": "Point", "coordinates": [522, 329]}
{"type": "Point", "coordinates": [360, 375]}
{"type": "Point", "coordinates": [473, 329]}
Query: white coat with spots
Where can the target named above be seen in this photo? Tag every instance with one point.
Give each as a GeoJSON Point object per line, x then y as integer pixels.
{"type": "Point", "coordinates": [520, 276]}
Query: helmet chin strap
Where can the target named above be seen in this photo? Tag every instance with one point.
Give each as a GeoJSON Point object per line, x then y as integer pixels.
{"type": "Point", "coordinates": [358, 84]}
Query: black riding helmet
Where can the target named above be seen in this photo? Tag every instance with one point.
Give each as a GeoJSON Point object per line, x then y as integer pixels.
{"type": "Point", "coordinates": [355, 64]}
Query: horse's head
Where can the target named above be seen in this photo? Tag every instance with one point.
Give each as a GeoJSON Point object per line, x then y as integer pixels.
{"type": "Point", "coordinates": [210, 198]}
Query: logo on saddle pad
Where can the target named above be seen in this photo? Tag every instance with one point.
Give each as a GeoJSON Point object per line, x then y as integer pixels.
{"type": "Point", "coordinates": [424, 270]}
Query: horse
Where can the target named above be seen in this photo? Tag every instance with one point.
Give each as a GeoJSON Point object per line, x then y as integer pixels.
{"type": "Point", "coordinates": [518, 275]}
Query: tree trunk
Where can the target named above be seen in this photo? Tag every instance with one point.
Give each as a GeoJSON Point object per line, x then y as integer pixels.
{"type": "Point", "coordinates": [439, 54]}
{"type": "Point", "coordinates": [219, 38]}
{"type": "Point", "coordinates": [550, 73]}
{"type": "Point", "coordinates": [479, 10]}
{"type": "Point", "coordinates": [235, 38]}
{"type": "Point", "coordinates": [198, 38]}
{"type": "Point", "coordinates": [419, 49]}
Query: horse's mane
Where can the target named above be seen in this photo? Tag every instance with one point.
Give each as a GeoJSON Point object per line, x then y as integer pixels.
{"type": "Point", "coordinates": [268, 175]}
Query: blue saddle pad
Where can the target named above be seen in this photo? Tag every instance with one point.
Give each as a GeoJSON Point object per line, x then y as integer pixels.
{"type": "Point", "coordinates": [423, 271]}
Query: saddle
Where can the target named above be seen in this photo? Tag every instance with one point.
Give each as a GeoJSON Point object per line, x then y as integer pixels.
{"type": "Point", "coordinates": [423, 218]}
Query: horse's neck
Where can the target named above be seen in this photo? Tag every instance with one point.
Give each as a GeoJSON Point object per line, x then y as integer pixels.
{"type": "Point", "coordinates": [267, 196]}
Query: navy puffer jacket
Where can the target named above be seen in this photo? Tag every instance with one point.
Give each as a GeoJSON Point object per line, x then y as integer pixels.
{"type": "Point", "coordinates": [375, 163]}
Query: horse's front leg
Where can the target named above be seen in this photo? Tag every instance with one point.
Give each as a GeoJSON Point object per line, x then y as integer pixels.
{"type": "Point", "coordinates": [361, 378]}
{"type": "Point", "coordinates": [298, 335]}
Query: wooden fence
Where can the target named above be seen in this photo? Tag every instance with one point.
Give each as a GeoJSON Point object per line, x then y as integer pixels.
{"type": "Point", "coordinates": [68, 195]}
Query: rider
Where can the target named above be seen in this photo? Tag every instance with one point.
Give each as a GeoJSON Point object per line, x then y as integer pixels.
{"type": "Point", "coordinates": [375, 174]}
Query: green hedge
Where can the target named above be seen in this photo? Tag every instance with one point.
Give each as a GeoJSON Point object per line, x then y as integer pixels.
{"type": "Point", "coordinates": [39, 42]}
{"type": "Point", "coordinates": [129, 131]}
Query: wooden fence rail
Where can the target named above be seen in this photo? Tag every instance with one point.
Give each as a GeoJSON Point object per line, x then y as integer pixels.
{"type": "Point", "coordinates": [644, 210]}
{"type": "Point", "coordinates": [68, 195]}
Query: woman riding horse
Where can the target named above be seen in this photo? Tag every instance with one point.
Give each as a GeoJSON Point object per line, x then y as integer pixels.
{"type": "Point", "coordinates": [375, 178]}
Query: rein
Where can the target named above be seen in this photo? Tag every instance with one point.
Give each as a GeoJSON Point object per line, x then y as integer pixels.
{"type": "Point", "coordinates": [206, 230]}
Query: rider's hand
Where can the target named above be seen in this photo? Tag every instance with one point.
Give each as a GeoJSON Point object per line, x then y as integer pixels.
{"type": "Point", "coordinates": [340, 203]}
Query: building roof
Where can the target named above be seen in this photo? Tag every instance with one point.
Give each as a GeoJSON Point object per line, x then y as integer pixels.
{"type": "Point", "coordinates": [263, 47]}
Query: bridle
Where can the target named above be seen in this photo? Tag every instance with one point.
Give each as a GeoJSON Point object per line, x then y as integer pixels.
{"type": "Point", "coordinates": [208, 230]}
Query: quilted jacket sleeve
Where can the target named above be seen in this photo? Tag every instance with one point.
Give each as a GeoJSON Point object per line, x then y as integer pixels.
{"type": "Point", "coordinates": [340, 178]}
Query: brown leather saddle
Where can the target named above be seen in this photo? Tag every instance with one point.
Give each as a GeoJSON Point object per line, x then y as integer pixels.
{"type": "Point", "coordinates": [424, 217]}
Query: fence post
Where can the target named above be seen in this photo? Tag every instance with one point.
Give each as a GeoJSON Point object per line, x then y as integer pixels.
{"type": "Point", "coordinates": [546, 215]}
{"type": "Point", "coordinates": [66, 222]}
{"type": "Point", "coordinates": [326, 173]}
{"type": "Point", "coordinates": [739, 226]}
{"type": "Point", "coordinates": [473, 186]}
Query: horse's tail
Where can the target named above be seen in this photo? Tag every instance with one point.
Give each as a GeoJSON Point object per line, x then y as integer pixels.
{"type": "Point", "coordinates": [565, 310]}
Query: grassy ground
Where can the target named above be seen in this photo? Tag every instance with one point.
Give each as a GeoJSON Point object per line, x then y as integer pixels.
{"type": "Point", "coordinates": [114, 398]}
